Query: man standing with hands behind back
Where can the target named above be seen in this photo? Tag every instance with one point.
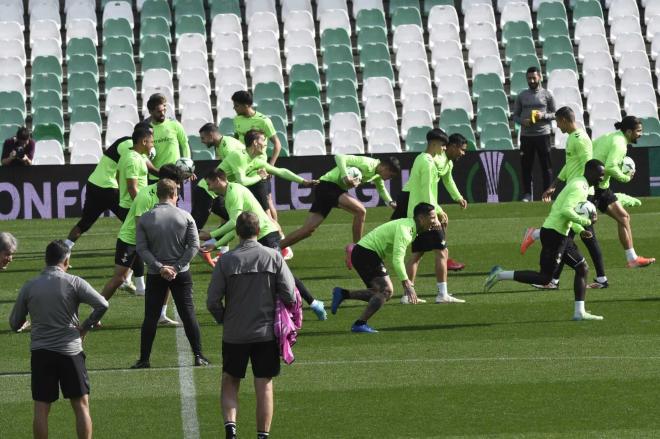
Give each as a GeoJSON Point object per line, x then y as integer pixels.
{"type": "Point", "coordinates": [534, 109]}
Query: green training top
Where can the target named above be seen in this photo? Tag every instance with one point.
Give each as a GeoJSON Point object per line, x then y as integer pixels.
{"type": "Point", "coordinates": [578, 152]}
{"type": "Point", "coordinates": [239, 199]}
{"type": "Point", "coordinates": [258, 121]}
{"type": "Point", "coordinates": [562, 216]}
{"type": "Point", "coordinates": [227, 145]}
{"type": "Point", "coordinates": [423, 183]}
{"type": "Point", "coordinates": [367, 167]}
{"type": "Point", "coordinates": [105, 172]}
{"type": "Point", "coordinates": [611, 149]}
{"type": "Point", "coordinates": [241, 168]}
{"type": "Point", "coordinates": [145, 200]}
{"type": "Point", "coordinates": [131, 165]}
{"type": "Point", "coordinates": [445, 168]}
{"type": "Point", "coordinates": [170, 142]}
{"type": "Point", "coordinates": [392, 238]}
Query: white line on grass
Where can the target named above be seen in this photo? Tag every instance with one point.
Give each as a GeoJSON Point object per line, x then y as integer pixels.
{"type": "Point", "coordinates": [186, 385]}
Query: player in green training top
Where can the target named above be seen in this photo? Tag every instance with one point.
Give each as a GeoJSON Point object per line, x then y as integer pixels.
{"type": "Point", "coordinates": [332, 191]}
{"type": "Point", "coordinates": [132, 167]}
{"type": "Point", "coordinates": [578, 152]}
{"type": "Point", "coordinates": [557, 244]}
{"type": "Point", "coordinates": [170, 140]}
{"type": "Point", "coordinates": [611, 149]}
{"type": "Point", "coordinates": [429, 168]}
{"type": "Point", "coordinates": [239, 199]}
{"type": "Point", "coordinates": [391, 238]}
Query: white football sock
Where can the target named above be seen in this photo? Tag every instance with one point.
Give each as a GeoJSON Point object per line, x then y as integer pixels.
{"type": "Point", "coordinates": [631, 255]}
{"type": "Point", "coordinates": [69, 243]}
{"type": "Point", "coordinates": [536, 234]}
{"type": "Point", "coordinates": [442, 289]}
{"type": "Point", "coordinates": [139, 283]}
{"type": "Point", "coordinates": [505, 275]}
{"type": "Point", "coordinates": [602, 280]}
{"type": "Point", "coordinates": [579, 307]}
{"type": "Point", "coordinates": [163, 311]}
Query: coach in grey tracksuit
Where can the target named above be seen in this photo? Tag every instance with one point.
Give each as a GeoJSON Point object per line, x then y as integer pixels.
{"type": "Point", "coordinates": [534, 135]}
{"type": "Point", "coordinates": [167, 241]}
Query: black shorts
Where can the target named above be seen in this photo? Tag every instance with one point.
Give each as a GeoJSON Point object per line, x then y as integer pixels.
{"type": "Point", "coordinates": [97, 201]}
{"type": "Point", "coordinates": [203, 204]}
{"type": "Point", "coordinates": [429, 241]}
{"type": "Point", "coordinates": [602, 198]}
{"type": "Point", "coordinates": [326, 197]}
{"type": "Point", "coordinates": [272, 240]}
{"type": "Point", "coordinates": [125, 254]}
{"type": "Point", "coordinates": [368, 264]}
{"type": "Point", "coordinates": [556, 248]}
{"type": "Point", "coordinates": [123, 213]}
{"type": "Point", "coordinates": [401, 210]}
{"type": "Point", "coordinates": [260, 191]}
{"type": "Point", "coordinates": [52, 371]}
{"type": "Point", "coordinates": [264, 356]}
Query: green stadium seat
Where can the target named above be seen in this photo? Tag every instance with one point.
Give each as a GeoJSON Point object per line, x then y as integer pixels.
{"type": "Point", "coordinates": [189, 7]}
{"type": "Point", "coordinates": [48, 115]}
{"type": "Point", "coordinates": [196, 144]}
{"type": "Point", "coordinates": [466, 131]}
{"type": "Point", "coordinates": [404, 15]}
{"type": "Point", "coordinates": [453, 116]}
{"type": "Point", "coordinates": [83, 80]}
{"type": "Point", "coordinates": [284, 143]}
{"type": "Point", "coordinates": [46, 99]}
{"type": "Point", "coordinates": [119, 63]}
{"type": "Point", "coordinates": [369, 18]}
{"type": "Point", "coordinates": [83, 64]}
{"type": "Point", "coordinates": [416, 139]}
{"type": "Point", "coordinates": [156, 8]}
{"type": "Point", "coordinates": [12, 116]}
{"type": "Point", "coordinates": [278, 123]}
{"type": "Point", "coordinates": [515, 29]}
{"type": "Point", "coordinates": [120, 78]}
{"type": "Point", "coordinates": [308, 122]}
{"type": "Point", "coordinates": [345, 104]}
{"type": "Point", "coordinates": [519, 46]}
{"type": "Point", "coordinates": [374, 52]}
{"type": "Point", "coordinates": [491, 115]}
{"type": "Point", "coordinates": [9, 130]}
{"type": "Point", "coordinates": [521, 63]}
{"type": "Point", "coordinates": [518, 83]}
{"type": "Point", "coordinates": [80, 46]}
{"type": "Point", "coordinates": [225, 7]}
{"type": "Point", "coordinates": [85, 113]}
{"type": "Point", "coordinates": [587, 8]}
{"type": "Point", "coordinates": [335, 54]}
{"type": "Point", "coordinates": [155, 26]}
{"type": "Point", "coordinates": [202, 154]}
{"type": "Point", "coordinates": [649, 125]}
{"type": "Point", "coordinates": [383, 68]}
{"type": "Point", "coordinates": [190, 24]}
{"type": "Point", "coordinates": [47, 82]}
{"type": "Point", "coordinates": [156, 60]}
{"type": "Point", "coordinates": [306, 105]}
{"type": "Point", "coordinates": [47, 132]}
{"type": "Point", "coordinates": [556, 44]}
{"type": "Point", "coordinates": [493, 98]}
{"type": "Point", "coordinates": [395, 4]}
{"type": "Point", "coordinates": [648, 140]}
{"type": "Point", "coordinates": [154, 43]}
{"type": "Point", "coordinates": [117, 45]}
{"type": "Point", "coordinates": [371, 35]}
{"type": "Point", "coordinates": [486, 81]}
{"type": "Point", "coordinates": [12, 100]}
{"type": "Point", "coordinates": [335, 37]}
{"type": "Point", "coordinates": [550, 10]}
{"type": "Point", "coordinates": [552, 27]}
{"type": "Point", "coordinates": [47, 65]}
{"type": "Point", "coordinates": [273, 107]}
{"type": "Point", "coordinates": [267, 90]}
{"type": "Point", "coordinates": [560, 61]}
{"type": "Point", "coordinates": [499, 144]}
{"type": "Point", "coordinates": [342, 70]}
{"type": "Point", "coordinates": [299, 89]}
{"type": "Point", "coordinates": [117, 27]}
{"type": "Point", "coordinates": [428, 4]}
{"type": "Point", "coordinates": [493, 131]}
{"type": "Point", "coordinates": [226, 126]}
{"type": "Point", "coordinates": [83, 97]}
{"type": "Point", "coordinates": [305, 72]}
{"type": "Point", "coordinates": [340, 87]}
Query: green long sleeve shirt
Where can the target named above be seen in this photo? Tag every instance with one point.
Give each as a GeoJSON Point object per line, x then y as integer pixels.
{"type": "Point", "coordinates": [578, 152]}
{"type": "Point", "coordinates": [562, 216]}
{"type": "Point", "coordinates": [367, 167]}
{"type": "Point", "coordinates": [611, 149]}
{"type": "Point", "coordinates": [241, 168]}
{"type": "Point", "coordinates": [392, 238]}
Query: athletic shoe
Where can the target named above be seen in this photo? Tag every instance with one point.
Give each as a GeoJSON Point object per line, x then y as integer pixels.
{"type": "Point", "coordinates": [141, 364]}
{"type": "Point", "coordinates": [598, 285]}
{"type": "Point", "coordinates": [319, 309]}
{"type": "Point", "coordinates": [287, 253]}
{"type": "Point", "coordinates": [586, 316]}
{"type": "Point", "coordinates": [129, 287]}
{"type": "Point", "coordinates": [25, 327]}
{"type": "Point", "coordinates": [549, 286]}
{"type": "Point", "coordinates": [337, 299]}
{"type": "Point", "coordinates": [528, 240]}
{"type": "Point", "coordinates": [441, 298]}
{"type": "Point", "coordinates": [526, 198]}
{"type": "Point", "coordinates": [363, 328]}
{"type": "Point", "coordinates": [405, 301]}
{"type": "Point", "coordinates": [640, 262]}
{"type": "Point", "coordinates": [140, 292]}
{"type": "Point", "coordinates": [349, 250]}
{"type": "Point", "coordinates": [453, 265]}
{"type": "Point", "coordinates": [200, 360]}
{"type": "Point", "coordinates": [166, 321]}
{"type": "Point", "coordinates": [208, 258]}
{"type": "Point", "coordinates": [492, 279]}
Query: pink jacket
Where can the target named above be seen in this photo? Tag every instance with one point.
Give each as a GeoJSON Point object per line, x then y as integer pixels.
{"type": "Point", "coordinates": [288, 320]}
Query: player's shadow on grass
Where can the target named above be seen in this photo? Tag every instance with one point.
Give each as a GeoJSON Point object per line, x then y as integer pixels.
{"type": "Point", "coordinates": [434, 327]}
{"type": "Point", "coordinates": [641, 299]}
{"type": "Point", "coordinates": [482, 274]}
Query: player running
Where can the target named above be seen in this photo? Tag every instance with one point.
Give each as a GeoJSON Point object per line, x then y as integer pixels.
{"type": "Point", "coordinates": [557, 243]}
{"type": "Point", "coordinates": [239, 199]}
{"type": "Point", "coordinates": [579, 150]}
{"type": "Point", "coordinates": [391, 238]}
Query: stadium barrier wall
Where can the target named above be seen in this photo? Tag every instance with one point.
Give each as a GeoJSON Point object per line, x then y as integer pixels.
{"type": "Point", "coordinates": [481, 176]}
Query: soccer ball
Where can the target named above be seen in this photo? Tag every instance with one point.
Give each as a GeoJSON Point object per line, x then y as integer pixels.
{"type": "Point", "coordinates": [185, 165]}
{"type": "Point", "coordinates": [355, 174]}
{"type": "Point", "coordinates": [627, 166]}
{"type": "Point", "coordinates": [586, 209]}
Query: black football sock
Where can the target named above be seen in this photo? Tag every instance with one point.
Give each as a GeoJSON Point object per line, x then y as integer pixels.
{"type": "Point", "coordinates": [360, 322]}
{"type": "Point", "coordinates": [230, 430]}
{"type": "Point", "coordinates": [262, 435]}
{"type": "Point", "coordinates": [345, 294]}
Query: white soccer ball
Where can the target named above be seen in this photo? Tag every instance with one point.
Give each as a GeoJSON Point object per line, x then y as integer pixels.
{"type": "Point", "coordinates": [355, 174]}
{"type": "Point", "coordinates": [627, 165]}
{"type": "Point", "coordinates": [586, 209]}
{"type": "Point", "coordinates": [185, 165]}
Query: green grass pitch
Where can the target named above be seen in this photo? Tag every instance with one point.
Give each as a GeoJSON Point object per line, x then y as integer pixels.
{"type": "Point", "coordinates": [507, 364]}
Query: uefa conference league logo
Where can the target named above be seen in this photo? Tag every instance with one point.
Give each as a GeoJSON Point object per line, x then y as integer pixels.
{"type": "Point", "coordinates": [492, 163]}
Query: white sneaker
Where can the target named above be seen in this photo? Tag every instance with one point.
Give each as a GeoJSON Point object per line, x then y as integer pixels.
{"type": "Point", "coordinates": [139, 292]}
{"type": "Point", "coordinates": [586, 316]}
{"type": "Point", "coordinates": [405, 301]}
{"type": "Point", "coordinates": [129, 287]}
{"type": "Point", "coordinates": [448, 299]}
{"type": "Point", "coordinates": [26, 326]}
{"type": "Point", "coordinates": [166, 321]}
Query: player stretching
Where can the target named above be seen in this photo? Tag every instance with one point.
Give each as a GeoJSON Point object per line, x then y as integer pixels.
{"type": "Point", "coordinates": [557, 244]}
{"type": "Point", "coordinates": [393, 238]}
{"type": "Point", "coordinates": [578, 151]}
{"type": "Point", "coordinates": [239, 199]}
{"type": "Point", "coordinates": [332, 191]}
